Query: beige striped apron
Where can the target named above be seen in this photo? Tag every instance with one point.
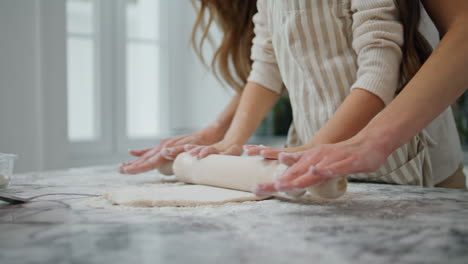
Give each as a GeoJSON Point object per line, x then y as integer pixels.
{"type": "Point", "coordinates": [312, 44]}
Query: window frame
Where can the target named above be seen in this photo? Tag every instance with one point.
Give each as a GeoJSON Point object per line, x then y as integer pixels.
{"type": "Point", "coordinates": [112, 143]}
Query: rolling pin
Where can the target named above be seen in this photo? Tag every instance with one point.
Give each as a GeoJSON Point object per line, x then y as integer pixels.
{"type": "Point", "coordinates": [241, 173]}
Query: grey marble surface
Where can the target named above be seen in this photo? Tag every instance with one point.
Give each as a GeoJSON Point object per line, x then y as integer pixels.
{"type": "Point", "coordinates": [370, 224]}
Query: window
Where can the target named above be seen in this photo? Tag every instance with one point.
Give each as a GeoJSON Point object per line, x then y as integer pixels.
{"type": "Point", "coordinates": [115, 79]}
{"type": "Point", "coordinates": [82, 91]}
{"type": "Point", "coordinates": [142, 69]}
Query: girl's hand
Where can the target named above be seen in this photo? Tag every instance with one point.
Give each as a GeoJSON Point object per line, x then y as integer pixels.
{"type": "Point", "coordinates": [326, 161]}
{"type": "Point", "coordinates": [272, 153]}
{"type": "Point", "coordinates": [221, 148]}
{"type": "Point", "coordinates": [168, 149]}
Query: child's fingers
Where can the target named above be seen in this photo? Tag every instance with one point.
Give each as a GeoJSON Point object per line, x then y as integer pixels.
{"type": "Point", "coordinates": [195, 151]}
{"type": "Point", "coordinates": [254, 150]}
{"type": "Point", "coordinates": [189, 147]}
{"type": "Point", "coordinates": [206, 151]}
{"type": "Point", "coordinates": [233, 150]}
{"type": "Point", "coordinates": [271, 153]}
{"type": "Point", "coordinates": [252, 146]}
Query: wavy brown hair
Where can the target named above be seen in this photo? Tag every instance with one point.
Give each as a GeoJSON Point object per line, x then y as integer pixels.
{"type": "Point", "coordinates": [231, 60]}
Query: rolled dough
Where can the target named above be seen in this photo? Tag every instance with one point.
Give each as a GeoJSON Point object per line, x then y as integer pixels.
{"type": "Point", "coordinates": [244, 174]}
{"type": "Point", "coordinates": [231, 172]}
{"type": "Point", "coordinates": [166, 168]}
{"type": "Point", "coordinates": [161, 195]}
{"type": "Point", "coordinates": [4, 180]}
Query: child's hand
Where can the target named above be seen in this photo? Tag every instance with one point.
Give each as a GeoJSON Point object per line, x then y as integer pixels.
{"type": "Point", "coordinates": [271, 153]}
{"type": "Point", "coordinates": [168, 149]}
{"type": "Point", "coordinates": [222, 148]}
{"type": "Point", "coordinates": [326, 161]}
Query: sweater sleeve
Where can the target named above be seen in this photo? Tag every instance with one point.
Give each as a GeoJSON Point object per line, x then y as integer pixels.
{"type": "Point", "coordinates": [377, 41]}
{"type": "Point", "coordinates": [265, 70]}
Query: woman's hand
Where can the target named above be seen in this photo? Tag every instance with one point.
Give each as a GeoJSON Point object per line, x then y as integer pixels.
{"type": "Point", "coordinates": [326, 161]}
{"type": "Point", "coordinates": [223, 147]}
{"type": "Point", "coordinates": [168, 149]}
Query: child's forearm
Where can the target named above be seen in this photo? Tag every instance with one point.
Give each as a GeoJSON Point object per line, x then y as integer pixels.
{"type": "Point", "coordinates": [353, 115]}
{"type": "Point", "coordinates": [255, 103]}
{"type": "Point", "coordinates": [222, 122]}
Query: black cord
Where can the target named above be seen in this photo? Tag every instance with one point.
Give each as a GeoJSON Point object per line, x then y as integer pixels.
{"type": "Point", "coordinates": [64, 194]}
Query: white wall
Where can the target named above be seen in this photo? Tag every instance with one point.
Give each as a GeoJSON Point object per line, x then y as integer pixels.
{"type": "Point", "coordinates": [32, 83]}
{"type": "Point", "coordinates": [202, 95]}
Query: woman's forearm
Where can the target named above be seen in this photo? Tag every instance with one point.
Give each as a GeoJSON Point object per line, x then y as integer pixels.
{"type": "Point", "coordinates": [254, 105]}
{"type": "Point", "coordinates": [439, 82]}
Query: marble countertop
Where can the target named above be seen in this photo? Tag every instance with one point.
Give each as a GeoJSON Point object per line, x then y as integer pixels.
{"type": "Point", "coordinates": [372, 223]}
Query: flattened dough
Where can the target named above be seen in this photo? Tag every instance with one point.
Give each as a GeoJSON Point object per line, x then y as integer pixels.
{"type": "Point", "coordinates": [162, 195]}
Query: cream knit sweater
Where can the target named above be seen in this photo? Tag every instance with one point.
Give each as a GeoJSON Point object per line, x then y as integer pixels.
{"type": "Point", "coordinates": [322, 49]}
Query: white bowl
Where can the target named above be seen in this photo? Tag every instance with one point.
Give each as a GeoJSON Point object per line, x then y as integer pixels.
{"type": "Point", "coordinates": [7, 162]}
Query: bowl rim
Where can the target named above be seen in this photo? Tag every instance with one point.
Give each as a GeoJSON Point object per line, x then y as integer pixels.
{"type": "Point", "coordinates": [4, 156]}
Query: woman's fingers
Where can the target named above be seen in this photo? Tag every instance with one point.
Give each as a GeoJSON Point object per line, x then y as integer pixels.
{"type": "Point", "coordinates": [300, 166]}
{"type": "Point", "coordinates": [167, 149]}
{"type": "Point", "coordinates": [189, 139]}
{"type": "Point", "coordinates": [169, 142]}
{"type": "Point", "coordinates": [150, 164]}
{"type": "Point", "coordinates": [172, 152]}
{"type": "Point", "coordinates": [151, 153]}
{"type": "Point", "coordinates": [135, 162]}
{"type": "Point", "coordinates": [337, 168]}
{"type": "Point", "coordinates": [309, 178]}
{"type": "Point", "coordinates": [154, 152]}
{"type": "Point", "coordinates": [289, 159]}
{"type": "Point", "coordinates": [264, 189]}
{"type": "Point", "coordinates": [138, 153]}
